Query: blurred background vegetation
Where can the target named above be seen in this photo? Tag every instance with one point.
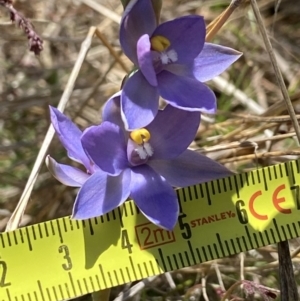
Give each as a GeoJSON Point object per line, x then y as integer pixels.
{"type": "Point", "coordinates": [247, 90]}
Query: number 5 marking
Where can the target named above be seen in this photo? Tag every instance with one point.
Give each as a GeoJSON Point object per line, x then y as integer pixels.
{"type": "Point", "coordinates": [65, 250]}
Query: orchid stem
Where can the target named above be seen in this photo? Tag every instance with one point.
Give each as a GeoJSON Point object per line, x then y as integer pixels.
{"type": "Point", "coordinates": [111, 50]}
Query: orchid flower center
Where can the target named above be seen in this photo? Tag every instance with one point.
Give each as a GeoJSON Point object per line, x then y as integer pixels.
{"type": "Point", "coordinates": [161, 44]}
{"type": "Point", "coordinates": [141, 138]}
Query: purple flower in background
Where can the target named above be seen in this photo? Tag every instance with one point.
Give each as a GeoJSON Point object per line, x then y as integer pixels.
{"type": "Point", "coordinates": [143, 164]}
{"type": "Point", "coordinates": [173, 61]}
{"type": "Point", "coordinates": [69, 135]}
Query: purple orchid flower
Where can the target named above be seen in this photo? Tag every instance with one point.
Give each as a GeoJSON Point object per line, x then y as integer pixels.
{"type": "Point", "coordinates": [142, 164]}
{"type": "Point", "coordinates": [172, 59]}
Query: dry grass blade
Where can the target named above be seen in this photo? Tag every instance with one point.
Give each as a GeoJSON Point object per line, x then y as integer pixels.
{"type": "Point", "coordinates": [214, 27]}
{"type": "Point", "coordinates": [249, 103]}
{"type": "Point", "coordinates": [16, 216]}
{"type": "Point", "coordinates": [289, 291]}
{"type": "Point", "coordinates": [111, 50]}
{"type": "Point", "coordinates": [228, 88]}
{"type": "Point", "coordinates": [261, 155]}
{"type": "Point", "coordinates": [102, 10]}
{"type": "Point", "coordinates": [277, 71]}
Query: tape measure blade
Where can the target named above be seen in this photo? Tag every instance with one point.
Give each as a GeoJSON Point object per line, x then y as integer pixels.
{"type": "Point", "coordinates": [67, 258]}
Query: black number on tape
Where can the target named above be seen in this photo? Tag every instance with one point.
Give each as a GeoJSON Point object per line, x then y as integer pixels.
{"type": "Point", "coordinates": [3, 269]}
{"type": "Point", "coordinates": [125, 241]}
{"type": "Point", "coordinates": [297, 195]}
{"type": "Point", "coordinates": [241, 212]}
{"type": "Point", "coordinates": [185, 227]}
{"type": "Point", "coordinates": [65, 250]}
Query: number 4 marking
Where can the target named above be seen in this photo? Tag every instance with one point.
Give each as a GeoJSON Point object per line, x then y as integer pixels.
{"type": "Point", "coordinates": [125, 241]}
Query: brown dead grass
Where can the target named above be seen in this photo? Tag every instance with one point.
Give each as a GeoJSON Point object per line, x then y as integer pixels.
{"type": "Point", "coordinates": [28, 84]}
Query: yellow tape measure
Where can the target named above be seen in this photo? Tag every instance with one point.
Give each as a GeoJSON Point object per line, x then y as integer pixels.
{"type": "Point", "coordinates": [63, 258]}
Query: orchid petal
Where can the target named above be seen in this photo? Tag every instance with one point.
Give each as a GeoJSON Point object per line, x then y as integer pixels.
{"type": "Point", "coordinates": [212, 61]}
{"type": "Point", "coordinates": [186, 36]}
{"type": "Point", "coordinates": [66, 174]}
{"type": "Point", "coordinates": [139, 102]}
{"type": "Point", "coordinates": [186, 93]}
{"type": "Point", "coordinates": [69, 135]}
{"type": "Point", "coordinates": [172, 131]}
{"type": "Point", "coordinates": [189, 168]}
{"type": "Point", "coordinates": [100, 194]}
{"type": "Point", "coordinates": [105, 144]}
{"type": "Point", "coordinates": [112, 110]}
{"type": "Point", "coordinates": [145, 59]}
{"type": "Point", "coordinates": [138, 19]}
{"type": "Point", "coordinates": [154, 197]}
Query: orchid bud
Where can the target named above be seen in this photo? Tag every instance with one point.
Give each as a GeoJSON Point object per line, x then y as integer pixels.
{"type": "Point", "coordinates": [157, 5]}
